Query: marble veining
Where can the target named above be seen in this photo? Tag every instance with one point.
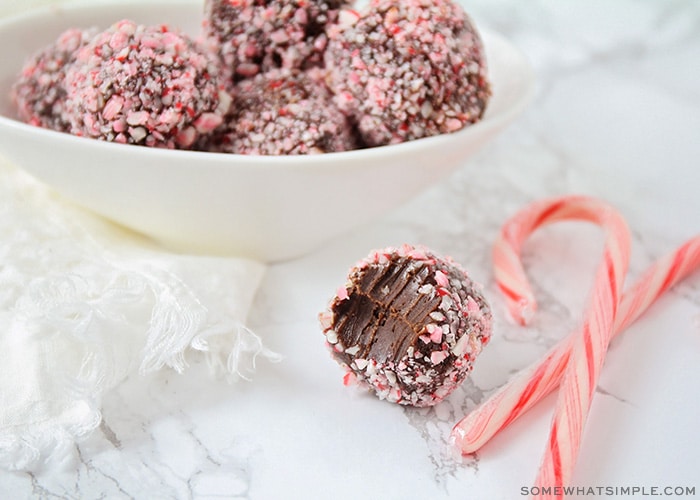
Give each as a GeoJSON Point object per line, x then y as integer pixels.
{"type": "Point", "coordinates": [616, 115]}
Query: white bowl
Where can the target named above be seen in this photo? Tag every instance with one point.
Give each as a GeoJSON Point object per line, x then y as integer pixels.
{"type": "Point", "coordinates": [264, 207]}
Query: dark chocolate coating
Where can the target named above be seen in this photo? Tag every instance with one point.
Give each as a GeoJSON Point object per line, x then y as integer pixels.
{"type": "Point", "coordinates": [385, 312]}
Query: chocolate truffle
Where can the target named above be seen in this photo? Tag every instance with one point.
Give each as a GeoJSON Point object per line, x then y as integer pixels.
{"type": "Point", "coordinates": [284, 112]}
{"type": "Point", "coordinates": [409, 69]}
{"type": "Point", "coordinates": [144, 85]}
{"type": "Point", "coordinates": [408, 324]}
{"type": "Point", "coordinates": [254, 36]}
{"type": "Point", "coordinates": [39, 93]}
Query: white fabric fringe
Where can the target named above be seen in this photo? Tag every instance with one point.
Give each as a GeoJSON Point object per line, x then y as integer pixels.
{"type": "Point", "coordinates": [84, 303]}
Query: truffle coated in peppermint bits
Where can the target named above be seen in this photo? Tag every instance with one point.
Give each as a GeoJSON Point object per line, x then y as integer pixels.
{"type": "Point", "coordinates": [284, 112]}
{"type": "Point", "coordinates": [255, 36]}
{"type": "Point", "coordinates": [408, 69]}
{"type": "Point", "coordinates": [144, 85]}
{"type": "Point", "coordinates": [39, 93]}
{"type": "Point", "coordinates": [408, 324]}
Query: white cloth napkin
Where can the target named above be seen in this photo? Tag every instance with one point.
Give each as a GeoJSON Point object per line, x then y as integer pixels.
{"type": "Point", "coordinates": [84, 303]}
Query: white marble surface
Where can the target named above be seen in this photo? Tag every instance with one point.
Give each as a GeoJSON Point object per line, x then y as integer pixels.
{"type": "Point", "coordinates": [617, 116]}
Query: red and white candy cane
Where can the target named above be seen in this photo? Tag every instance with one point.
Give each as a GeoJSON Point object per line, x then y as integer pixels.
{"type": "Point", "coordinates": [524, 391]}
{"type": "Point", "coordinates": [527, 388]}
{"type": "Point", "coordinates": [590, 344]}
